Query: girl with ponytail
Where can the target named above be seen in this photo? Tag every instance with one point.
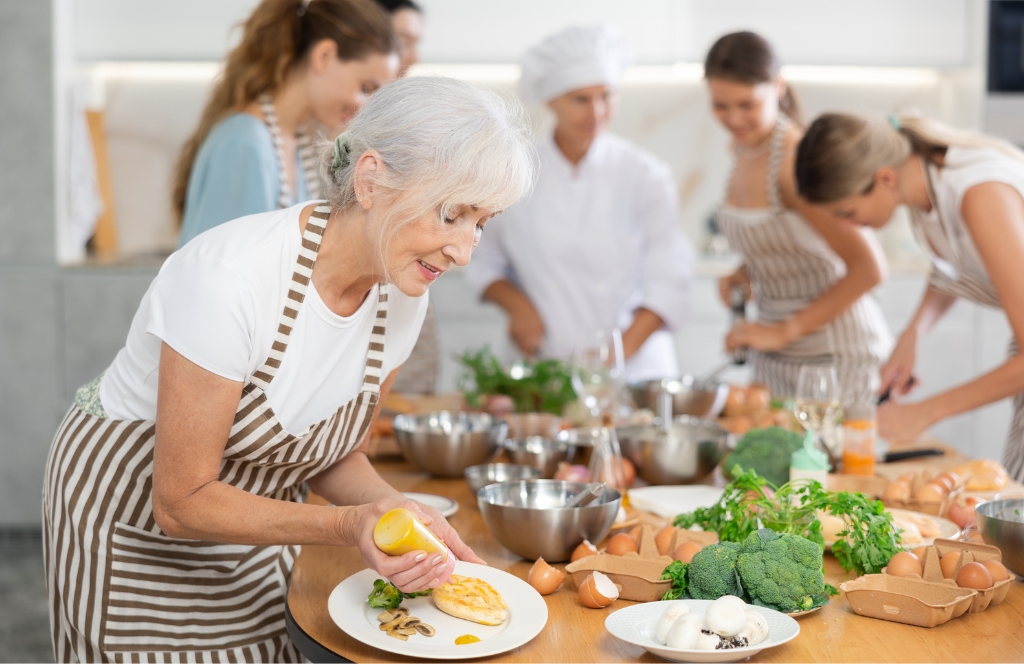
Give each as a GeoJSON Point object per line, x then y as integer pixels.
{"type": "Point", "coordinates": [965, 193]}
{"type": "Point", "coordinates": [303, 67]}
{"type": "Point", "coordinates": [810, 278]}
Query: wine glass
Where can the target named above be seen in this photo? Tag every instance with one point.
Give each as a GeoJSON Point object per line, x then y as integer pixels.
{"type": "Point", "coordinates": [817, 407]}
{"type": "Point", "coordinates": [598, 367]}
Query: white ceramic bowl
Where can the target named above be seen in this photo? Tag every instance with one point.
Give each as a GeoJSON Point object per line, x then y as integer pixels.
{"type": "Point", "coordinates": [635, 624]}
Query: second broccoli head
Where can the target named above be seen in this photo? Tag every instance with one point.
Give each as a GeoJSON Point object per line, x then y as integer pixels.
{"type": "Point", "coordinates": [712, 572]}
{"type": "Point", "coordinates": [782, 571]}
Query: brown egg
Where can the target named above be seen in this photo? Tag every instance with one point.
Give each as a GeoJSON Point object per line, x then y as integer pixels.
{"type": "Point", "coordinates": [920, 552]}
{"type": "Point", "coordinates": [634, 534]}
{"type": "Point", "coordinates": [620, 544]}
{"type": "Point", "coordinates": [597, 591]}
{"type": "Point", "coordinates": [948, 564]}
{"type": "Point", "coordinates": [664, 539]}
{"type": "Point", "coordinates": [943, 481]}
{"type": "Point", "coordinates": [898, 490]}
{"type": "Point", "coordinates": [908, 477]}
{"type": "Point", "coordinates": [583, 550]}
{"type": "Point", "coordinates": [996, 569]}
{"type": "Point", "coordinates": [974, 575]}
{"type": "Point", "coordinates": [930, 493]}
{"type": "Point", "coordinates": [544, 578]}
{"type": "Point", "coordinates": [954, 479]}
{"type": "Point", "coordinates": [904, 563]}
{"type": "Point", "coordinates": [686, 551]}
{"type": "Point", "coordinates": [758, 397]}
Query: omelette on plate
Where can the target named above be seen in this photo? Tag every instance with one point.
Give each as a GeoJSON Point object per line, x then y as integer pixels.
{"type": "Point", "coordinates": [471, 599]}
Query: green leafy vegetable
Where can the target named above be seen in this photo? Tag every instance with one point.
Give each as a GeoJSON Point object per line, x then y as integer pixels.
{"type": "Point", "coordinates": [866, 546]}
{"type": "Point", "coordinates": [782, 571]}
{"type": "Point", "coordinates": [676, 573]}
{"type": "Point", "coordinates": [543, 386]}
{"type": "Point", "coordinates": [385, 595]}
{"type": "Point", "coordinates": [766, 451]}
{"type": "Point", "coordinates": [712, 572]}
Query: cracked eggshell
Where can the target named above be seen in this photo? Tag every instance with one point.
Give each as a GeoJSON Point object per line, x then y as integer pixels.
{"type": "Point", "coordinates": [684, 632]}
{"type": "Point", "coordinates": [726, 617]}
{"type": "Point", "coordinates": [669, 616]}
{"type": "Point", "coordinates": [756, 628]}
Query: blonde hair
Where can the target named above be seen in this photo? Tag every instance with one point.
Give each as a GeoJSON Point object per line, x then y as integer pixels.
{"type": "Point", "coordinates": [275, 39]}
{"type": "Point", "coordinates": [445, 144]}
{"type": "Point", "coordinates": [840, 153]}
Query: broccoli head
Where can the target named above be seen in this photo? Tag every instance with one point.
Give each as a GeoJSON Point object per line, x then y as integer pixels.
{"type": "Point", "coordinates": [782, 571]}
{"type": "Point", "coordinates": [712, 572]}
{"type": "Point", "coordinates": [766, 451]}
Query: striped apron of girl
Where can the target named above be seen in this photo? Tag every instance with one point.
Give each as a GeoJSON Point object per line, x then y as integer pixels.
{"type": "Point", "coordinates": [787, 275]}
{"type": "Point", "coordinates": [948, 276]}
{"type": "Point", "coordinates": [119, 588]}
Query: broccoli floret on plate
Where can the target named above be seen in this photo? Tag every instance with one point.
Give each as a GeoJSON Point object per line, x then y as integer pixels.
{"type": "Point", "coordinates": [782, 571]}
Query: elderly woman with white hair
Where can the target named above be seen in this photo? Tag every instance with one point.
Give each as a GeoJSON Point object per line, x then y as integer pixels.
{"type": "Point", "coordinates": [598, 245]}
{"type": "Point", "coordinates": [173, 499]}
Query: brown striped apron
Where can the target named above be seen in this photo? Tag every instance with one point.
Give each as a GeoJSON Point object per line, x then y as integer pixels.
{"type": "Point", "coordinates": [122, 590]}
{"type": "Point", "coordinates": [787, 276]}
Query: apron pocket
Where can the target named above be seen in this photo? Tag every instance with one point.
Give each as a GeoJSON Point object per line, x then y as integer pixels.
{"type": "Point", "coordinates": [170, 595]}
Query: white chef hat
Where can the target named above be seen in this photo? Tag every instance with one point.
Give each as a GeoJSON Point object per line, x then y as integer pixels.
{"type": "Point", "coordinates": [575, 58]}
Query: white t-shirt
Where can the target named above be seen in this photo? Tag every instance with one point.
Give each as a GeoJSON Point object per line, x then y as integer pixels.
{"type": "Point", "coordinates": [218, 300]}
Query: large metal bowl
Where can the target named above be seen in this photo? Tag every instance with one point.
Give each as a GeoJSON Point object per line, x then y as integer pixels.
{"type": "Point", "coordinates": [492, 473]}
{"type": "Point", "coordinates": [447, 443]}
{"type": "Point", "coordinates": [538, 452]}
{"type": "Point", "coordinates": [1001, 523]}
{"type": "Point", "coordinates": [683, 454]}
{"type": "Point", "coordinates": [686, 399]}
{"type": "Point", "coordinates": [528, 518]}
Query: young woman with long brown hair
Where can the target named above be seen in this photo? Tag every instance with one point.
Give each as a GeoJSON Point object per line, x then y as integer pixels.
{"type": "Point", "coordinates": [810, 278]}
{"type": "Point", "coordinates": [302, 66]}
{"type": "Point", "coordinates": [965, 193]}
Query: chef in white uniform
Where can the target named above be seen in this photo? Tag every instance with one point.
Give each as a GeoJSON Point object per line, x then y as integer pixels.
{"type": "Point", "coordinates": [599, 244]}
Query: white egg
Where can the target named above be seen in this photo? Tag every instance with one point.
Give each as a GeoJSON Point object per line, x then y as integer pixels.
{"type": "Point", "coordinates": [725, 616]}
{"type": "Point", "coordinates": [708, 641]}
{"type": "Point", "coordinates": [684, 632]}
{"type": "Point", "coordinates": [755, 630]}
{"type": "Point", "coordinates": [671, 613]}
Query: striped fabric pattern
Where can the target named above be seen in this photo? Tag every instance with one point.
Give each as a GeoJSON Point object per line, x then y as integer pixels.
{"type": "Point", "coordinates": [307, 159]}
{"type": "Point", "coordinates": [122, 590]}
{"type": "Point", "coordinates": [786, 276]}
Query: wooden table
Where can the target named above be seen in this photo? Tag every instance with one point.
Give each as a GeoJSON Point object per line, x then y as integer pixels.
{"type": "Point", "coordinates": [576, 634]}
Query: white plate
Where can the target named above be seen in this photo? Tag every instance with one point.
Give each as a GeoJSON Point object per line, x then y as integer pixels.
{"type": "Point", "coordinates": [635, 624]}
{"type": "Point", "coordinates": [443, 504]}
{"type": "Point", "coordinates": [947, 529]}
{"type": "Point", "coordinates": [527, 615]}
{"type": "Point", "coordinates": [668, 501]}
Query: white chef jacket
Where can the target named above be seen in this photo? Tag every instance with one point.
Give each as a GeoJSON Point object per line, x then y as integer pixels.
{"type": "Point", "coordinates": [594, 243]}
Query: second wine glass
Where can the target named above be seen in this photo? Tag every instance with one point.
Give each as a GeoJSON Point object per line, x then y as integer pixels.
{"type": "Point", "coordinates": [816, 406]}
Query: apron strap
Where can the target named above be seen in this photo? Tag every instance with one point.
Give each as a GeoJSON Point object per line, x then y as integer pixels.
{"type": "Point", "coordinates": [307, 160]}
{"type": "Point", "coordinates": [373, 376]}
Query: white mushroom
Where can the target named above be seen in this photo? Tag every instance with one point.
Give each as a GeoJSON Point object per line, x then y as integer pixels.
{"type": "Point", "coordinates": [671, 613]}
{"type": "Point", "coordinates": [708, 641]}
{"type": "Point", "coordinates": [684, 632]}
{"type": "Point", "coordinates": [756, 628]}
{"type": "Point", "coordinates": [725, 616]}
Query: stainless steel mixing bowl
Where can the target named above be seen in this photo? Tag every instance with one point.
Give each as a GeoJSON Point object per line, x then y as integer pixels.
{"type": "Point", "coordinates": [446, 443]}
{"type": "Point", "coordinates": [684, 454]}
{"type": "Point", "coordinates": [492, 473]}
{"type": "Point", "coordinates": [528, 518]}
{"type": "Point", "coordinates": [538, 452]}
{"type": "Point", "coordinates": [687, 399]}
{"type": "Point", "coordinates": [1001, 523]}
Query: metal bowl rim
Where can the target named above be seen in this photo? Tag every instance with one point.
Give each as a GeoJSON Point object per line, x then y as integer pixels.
{"type": "Point", "coordinates": [399, 421]}
{"type": "Point", "coordinates": [604, 503]}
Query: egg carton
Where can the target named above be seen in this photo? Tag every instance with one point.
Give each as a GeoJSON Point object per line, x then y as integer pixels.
{"type": "Point", "coordinates": [908, 599]}
{"type": "Point", "coordinates": [971, 552]}
{"type": "Point", "coordinates": [935, 509]}
{"type": "Point", "coordinates": [638, 574]}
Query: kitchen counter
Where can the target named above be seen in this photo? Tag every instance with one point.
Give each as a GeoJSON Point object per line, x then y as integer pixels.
{"type": "Point", "coordinates": [577, 634]}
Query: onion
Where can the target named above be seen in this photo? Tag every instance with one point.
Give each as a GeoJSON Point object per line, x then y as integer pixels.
{"type": "Point", "coordinates": [571, 473]}
{"type": "Point", "coordinates": [961, 512]}
{"type": "Point", "coordinates": [544, 578]}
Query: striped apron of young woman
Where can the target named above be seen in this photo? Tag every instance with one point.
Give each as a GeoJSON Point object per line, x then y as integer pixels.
{"type": "Point", "coordinates": [787, 276]}
{"type": "Point", "coordinates": [948, 276]}
{"type": "Point", "coordinates": [120, 589]}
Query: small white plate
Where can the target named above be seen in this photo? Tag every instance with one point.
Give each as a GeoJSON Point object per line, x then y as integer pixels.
{"type": "Point", "coordinates": [668, 501]}
{"type": "Point", "coordinates": [636, 624]}
{"type": "Point", "coordinates": [527, 615]}
{"type": "Point", "coordinates": [443, 504]}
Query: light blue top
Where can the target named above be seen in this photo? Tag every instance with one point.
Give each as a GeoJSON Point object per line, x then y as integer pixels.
{"type": "Point", "coordinates": [235, 174]}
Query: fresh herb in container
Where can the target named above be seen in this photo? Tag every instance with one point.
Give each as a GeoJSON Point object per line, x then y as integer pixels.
{"type": "Point", "coordinates": [543, 386]}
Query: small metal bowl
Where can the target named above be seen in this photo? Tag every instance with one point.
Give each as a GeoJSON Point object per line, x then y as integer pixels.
{"type": "Point", "coordinates": [446, 443]}
{"type": "Point", "coordinates": [492, 473]}
{"type": "Point", "coordinates": [686, 399]}
{"type": "Point", "coordinates": [527, 517]}
{"type": "Point", "coordinates": [687, 452]}
{"type": "Point", "coordinates": [538, 452]}
{"type": "Point", "coordinates": [1001, 524]}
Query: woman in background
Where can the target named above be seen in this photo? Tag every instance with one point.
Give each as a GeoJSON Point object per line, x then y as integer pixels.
{"type": "Point", "coordinates": [407, 21]}
{"type": "Point", "coordinates": [598, 245]}
{"type": "Point", "coordinates": [810, 277]}
{"type": "Point", "coordinates": [301, 63]}
{"type": "Point", "coordinates": [965, 193]}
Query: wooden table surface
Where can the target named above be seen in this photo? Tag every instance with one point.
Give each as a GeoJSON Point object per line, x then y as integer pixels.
{"type": "Point", "coordinates": [576, 634]}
